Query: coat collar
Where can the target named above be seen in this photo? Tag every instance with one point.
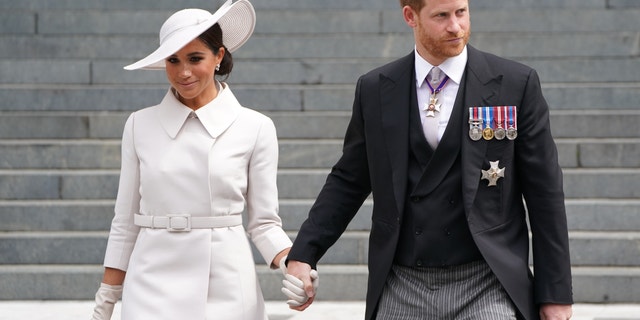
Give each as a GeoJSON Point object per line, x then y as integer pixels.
{"type": "Point", "coordinates": [216, 116]}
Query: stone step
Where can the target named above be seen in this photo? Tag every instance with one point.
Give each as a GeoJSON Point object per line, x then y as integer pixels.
{"type": "Point", "coordinates": [339, 282]}
{"type": "Point", "coordinates": [85, 247]}
{"type": "Point", "coordinates": [64, 154]}
{"type": "Point", "coordinates": [105, 154]}
{"type": "Point", "coordinates": [584, 50]}
{"type": "Point", "coordinates": [292, 71]}
{"type": "Point", "coordinates": [606, 284]}
{"type": "Point", "coordinates": [304, 4]}
{"type": "Point", "coordinates": [292, 184]}
{"type": "Point", "coordinates": [612, 45]}
{"type": "Point", "coordinates": [322, 21]}
{"type": "Point", "coordinates": [95, 215]}
{"type": "Point", "coordinates": [578, 124]}
{"type": "Point", "coordinates": [576, 96]}
{"type": "Point", "coordinates": [616, 215]}
{"type": "Point", "coordinates": [614, 248]}
{"type": "Point", "coordinates": [603, 214]}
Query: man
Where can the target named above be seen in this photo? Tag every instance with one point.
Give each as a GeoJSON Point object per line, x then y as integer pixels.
{"type": "Point", "coordinates": [449, 155]}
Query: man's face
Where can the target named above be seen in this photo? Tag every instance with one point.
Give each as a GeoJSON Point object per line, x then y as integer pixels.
{"type": "Point", "coordinates": [441, 28]}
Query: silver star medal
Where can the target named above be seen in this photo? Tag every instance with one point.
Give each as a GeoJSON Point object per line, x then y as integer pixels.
{"type": "Point", "coordinates": [493, 174]}
{"type": "Point", "coordinates": [433, 106]}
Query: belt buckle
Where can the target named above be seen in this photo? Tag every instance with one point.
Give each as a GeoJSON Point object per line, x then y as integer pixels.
{"type": "Point", "coordinates": [179, 223]}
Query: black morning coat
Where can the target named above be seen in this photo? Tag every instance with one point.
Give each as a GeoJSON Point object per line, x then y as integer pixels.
{"type": "Point", "coordinates": [375, 160]}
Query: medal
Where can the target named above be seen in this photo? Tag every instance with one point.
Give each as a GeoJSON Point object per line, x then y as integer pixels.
{"type": "Point", "coordinates": [512, 123]}
{"type": "Point", "coordinates": [487, 133]}
{"type": "Point", "coordinates": [475, 133]}
{"type": "Point", "coordinates": [433, 105]}
{"type": "Point", "coordinates": [475, 124]}
{"type": "Point", "coordinates": [493, 174]}
{"type": "Point", "coordinates": [500, 133]}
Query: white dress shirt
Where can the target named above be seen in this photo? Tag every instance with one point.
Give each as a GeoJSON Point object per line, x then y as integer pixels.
{"type": "Point", "coordinates": [452, 67]}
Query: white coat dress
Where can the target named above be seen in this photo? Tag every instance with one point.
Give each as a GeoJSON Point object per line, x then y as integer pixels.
{"type": "Point", "coordinates": [211, 165]}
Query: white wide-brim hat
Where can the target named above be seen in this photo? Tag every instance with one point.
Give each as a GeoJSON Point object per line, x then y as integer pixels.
{"type": "Point", "coordinates": [236, 19]}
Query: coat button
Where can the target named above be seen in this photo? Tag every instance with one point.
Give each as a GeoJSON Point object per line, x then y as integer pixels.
{"type": "Point", "coordinates": [419, 263]}
{"type": "Point", "coordinates": [418, 232]}
{"type": "Point", "coordinates": [416, 198]}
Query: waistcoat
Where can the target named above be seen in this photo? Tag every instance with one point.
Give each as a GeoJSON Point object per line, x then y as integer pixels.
{"type": "Point", "coordinates": [434, 230]}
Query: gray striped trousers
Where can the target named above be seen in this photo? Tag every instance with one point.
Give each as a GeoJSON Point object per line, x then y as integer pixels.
{"type": "Point", "coordinates": [466, 292]}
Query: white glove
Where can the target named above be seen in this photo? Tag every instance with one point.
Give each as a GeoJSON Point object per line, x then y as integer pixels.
{"type": "Point", "coordinates": [106, 299]}
{"type": "Point", "coordinates": [283, 265]}
{"type": "Point", "coordinates": [293, 287]}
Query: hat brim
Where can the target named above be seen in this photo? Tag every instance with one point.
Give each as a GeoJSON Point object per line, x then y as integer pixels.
{"type": "Point", "coordinates": [237, 21]}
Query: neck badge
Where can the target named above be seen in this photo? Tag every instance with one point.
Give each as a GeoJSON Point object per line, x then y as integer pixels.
{"type": "Point", "coordinates": [433, 105]}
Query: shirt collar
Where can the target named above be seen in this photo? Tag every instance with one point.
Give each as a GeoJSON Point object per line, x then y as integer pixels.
{"type": "Point", "coordinates": [452, 67]}
{"type": "Point", "coordinates": [216, 116]}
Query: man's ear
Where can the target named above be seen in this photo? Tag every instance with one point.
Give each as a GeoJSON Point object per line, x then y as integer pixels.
{"type": "Point", "coordinates": [409, 16]}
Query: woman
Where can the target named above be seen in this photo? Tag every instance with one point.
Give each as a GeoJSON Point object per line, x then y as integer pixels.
{"type": "Point", "coordinates": [189, 165]}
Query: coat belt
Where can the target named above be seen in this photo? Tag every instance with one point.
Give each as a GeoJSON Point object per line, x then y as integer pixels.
{"type": "Point", "coordinates": [185, 222]}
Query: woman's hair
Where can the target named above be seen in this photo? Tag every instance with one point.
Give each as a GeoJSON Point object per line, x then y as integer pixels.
{"type": "Point", "coordinates": [212, 38]}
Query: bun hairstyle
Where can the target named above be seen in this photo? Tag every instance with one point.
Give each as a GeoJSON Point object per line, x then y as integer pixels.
{"type": "Point", "coordinates": [212, 38]}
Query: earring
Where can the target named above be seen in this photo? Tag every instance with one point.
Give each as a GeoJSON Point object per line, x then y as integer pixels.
{"type": "Point", "coordinates": [218, 67]}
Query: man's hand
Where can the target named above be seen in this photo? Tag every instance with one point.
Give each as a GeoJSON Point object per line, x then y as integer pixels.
{"type": "Point", "coordinates": [549, 311]}
{"type": "Point", "coordinates": [300, 285]}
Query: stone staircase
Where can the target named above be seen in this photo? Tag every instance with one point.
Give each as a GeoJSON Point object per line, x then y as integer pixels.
{"type": "Point", "coordinates": [64, 98]}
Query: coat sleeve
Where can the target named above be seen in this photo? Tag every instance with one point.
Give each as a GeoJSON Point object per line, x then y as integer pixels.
{"type": "Point", "coordinates": [264, 225]}
{"type": "Point", "coordinates": [346, 187]}
{"type": "Point", "coordinates": [540, 178]}
{"type": "Point", "coordinates": [123, 232]}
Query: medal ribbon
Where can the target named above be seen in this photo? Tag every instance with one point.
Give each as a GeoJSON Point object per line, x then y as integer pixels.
{"type": "Point", "coordinates": [488, 116]}
{"type": "Point", "coordinates": [513, 122]}
{"type": "Point", "coordinates": [498, 112]}
{"type": "Point", "coordinates": [439, 88]}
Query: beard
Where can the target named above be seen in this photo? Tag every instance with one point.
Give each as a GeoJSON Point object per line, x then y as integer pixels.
{"type": "Point", "coordinates": [441, 47]}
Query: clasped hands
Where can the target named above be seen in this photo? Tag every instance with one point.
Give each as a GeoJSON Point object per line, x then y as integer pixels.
{"type": "Point", "coordinates": [299, 284]}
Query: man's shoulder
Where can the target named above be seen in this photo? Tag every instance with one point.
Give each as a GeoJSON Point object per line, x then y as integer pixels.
{"type": "Point", "coordinates": [393, 69]}
{"type": "Point", "coordinates": [495, 61]}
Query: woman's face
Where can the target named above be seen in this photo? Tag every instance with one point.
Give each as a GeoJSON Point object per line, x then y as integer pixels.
{"type": "Point", "coordinates": [191, 73]}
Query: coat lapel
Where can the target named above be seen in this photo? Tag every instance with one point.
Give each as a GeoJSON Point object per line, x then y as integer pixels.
{"type": "Point", "coordinates": [216, 116]}
{"type": "Point", "coordinates": [397, 87]}
{"type": "Point", "coordinates": [172, 114]}
{"type": "Point", "coordinates": [481, 88]}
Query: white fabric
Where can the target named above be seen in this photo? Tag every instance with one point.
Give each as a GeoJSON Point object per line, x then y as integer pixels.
{"type": "Point", "coordinates": [106, 298]}
{"type": "Point", "coordinates": [183, 223]}
{"type": "Point", "coordinates": [452, 67]}
{"type": "Point", "coordinates": [205, 166]}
